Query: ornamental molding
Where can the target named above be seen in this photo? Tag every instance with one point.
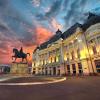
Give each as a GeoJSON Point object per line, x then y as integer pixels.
{"type": "Point", "coordinates": [93, 28]}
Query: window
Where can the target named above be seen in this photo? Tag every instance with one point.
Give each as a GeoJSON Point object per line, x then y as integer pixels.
{"type": "Point", "coordinates": [80, 68]}
{"type": "Point", "coordinates": [70, 45]}
{"type": "Point", "coordinates": [75, 42]}
{"type": "Point", "coordinates": [73, 66]}
{"type": "Point", "coordinates": [98, 39]}
{"type": "Point", "coordinates": [67, 56]}
{"type": "Point", "coordinates": [68, 69]}
{"type": "Point", "coordinates": [34, 64]}
{"type": "Point", "coordinates": [72, 53]}
{"type": "Point", "coordinates": [58, 57]}
{"type": "Point", "coordinates": [54, 59]}
{"type": "Point", "coordinates": [79, 65]}
{"type": "Point", "coordinates": [51, 59]}
{"type": "Point", "coordinates": [43, 62]}
{"type": "Point", "coordinates": [78, 53]}
{"type": "Point", "coordinates": [94, 49]}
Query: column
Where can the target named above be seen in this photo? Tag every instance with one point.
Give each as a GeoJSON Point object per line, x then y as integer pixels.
{"type": "Point", "coordinates": [94, 66]}
{"type": "Point", "coordinates": [77, 69]}
{"type": "Point", "coordinates": [97, 46]}
{"type": "Point", "coordinates": [85, 67]}
{"type": "Point", "coordinates": [61, 54]}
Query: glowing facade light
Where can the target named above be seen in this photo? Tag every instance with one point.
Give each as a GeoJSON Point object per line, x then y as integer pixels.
{"type": "Point", "coordinates": [79, 40]}
{"type": "Point", "coordinates": [65, 57]}
{"type": "Point", "coordinates": [76, 38]}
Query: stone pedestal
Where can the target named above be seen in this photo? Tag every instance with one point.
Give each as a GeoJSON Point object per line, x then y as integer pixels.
{"type": "Point", "coordinates": [19, 68]}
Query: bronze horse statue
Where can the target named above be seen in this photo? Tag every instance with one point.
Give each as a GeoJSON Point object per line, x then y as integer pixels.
{"type": "Point", "coordinates": [20, 54]}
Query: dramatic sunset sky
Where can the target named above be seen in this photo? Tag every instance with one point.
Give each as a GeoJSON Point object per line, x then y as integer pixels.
{"type": "Point", "coordinates": [28, 23]}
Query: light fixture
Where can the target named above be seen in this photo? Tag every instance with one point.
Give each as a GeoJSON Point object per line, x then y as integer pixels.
{"type": "Point", "coordinates": [79, 40]}
{"type": "Point", "coordinates": [71, 41]}
{"type": "Point", "coordinates": [76, 38]}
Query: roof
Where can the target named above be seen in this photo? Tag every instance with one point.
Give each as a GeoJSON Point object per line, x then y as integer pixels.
{"type": "Point", "coordinates": [54, 38]}
{"type": "Point", "coordinates": [71, 30]}
{"type": "Point", "coordinates": [91, 20]}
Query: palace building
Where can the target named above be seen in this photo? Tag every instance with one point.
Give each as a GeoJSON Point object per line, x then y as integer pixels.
{"type": "Point", "coordinates": [74, 52]}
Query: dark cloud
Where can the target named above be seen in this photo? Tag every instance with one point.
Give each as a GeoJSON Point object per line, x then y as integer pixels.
{"type": "Point", "coordinates": [75, 12]}
{"type": "Point", "coordinates": [3, 28]}
{"type": "Point", "coordinates": [96, 10]}
{"type": "Point", "coordinates": [40, 17]}
{"type": "Point", "coordinates": [3, 3]}
{"type": "Point", "coordinates": [54, 9]}
{"type": "Point", "coordinates": [13, 27]}
{"type": "Point", "coordinates": [22, 24]}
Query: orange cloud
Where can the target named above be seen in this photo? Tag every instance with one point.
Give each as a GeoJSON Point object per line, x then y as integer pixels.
{"type": "Point", "coordinates": [42, 34]}
{"type": "Point", "coordinates": [5, 56]}
{"type": "Point", "coordinates": [29, 50]}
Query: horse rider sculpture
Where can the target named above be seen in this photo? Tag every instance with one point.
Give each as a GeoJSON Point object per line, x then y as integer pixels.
{"type": "Point", "coordinates": [20, 54]}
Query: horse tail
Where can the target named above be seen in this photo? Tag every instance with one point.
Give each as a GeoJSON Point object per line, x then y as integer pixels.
{"type": "Point", "coordinates": [28, 54]}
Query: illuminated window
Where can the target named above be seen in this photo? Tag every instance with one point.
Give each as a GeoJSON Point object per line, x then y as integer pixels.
{"type": "Point", "coordinates": [68, 69]}
{"type": "Point", "coordinates": [70, 45]}
{"type": "Point", "coordinates": [54, 59]}
{"type": "Point", "coordinates": [34, 64]}
{"type": "Point", "coordinates": [72, 54]}
{"type": "Point", "coordinates": [51, 59]}
{"type": "Point", "coordinates": [78, 53]}
{"type": "Point", "coordinates": [43, 62]}
{"type": "Point", "coordinates": [67, 56]}
{"type": "Point", "coordinates": [94, 49]}
{"type": "Point", "coordinates": [98, 39]}
{"type": "Point", "coordinates": [59, 58]}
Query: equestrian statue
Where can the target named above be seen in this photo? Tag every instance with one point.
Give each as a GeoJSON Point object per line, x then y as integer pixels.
{"type": "Point", "coordinates": [19, 54]}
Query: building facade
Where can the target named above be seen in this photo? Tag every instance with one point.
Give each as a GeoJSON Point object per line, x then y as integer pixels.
{"type": "Point", "coordinates": [74, 52]}
{"type": "Point", "coordinates": [4, 69]}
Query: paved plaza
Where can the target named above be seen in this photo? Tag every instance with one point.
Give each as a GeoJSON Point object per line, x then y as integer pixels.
{"type": "Point", "coordinates": [73, 88]}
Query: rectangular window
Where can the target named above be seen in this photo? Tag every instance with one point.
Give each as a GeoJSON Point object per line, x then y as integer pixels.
{"type": "Point", "coordinates": [68, 67]}
{"type": "Point", "coordinates": [72, 54]}
{"type": "Point", "coordinates": [94, 49]}
{"type": "Point", "coordinates": [98, 39]}
{"type": "Point", "coordinates": [78, 53]}
{"type": "Point", "coordinates": [79, 65]}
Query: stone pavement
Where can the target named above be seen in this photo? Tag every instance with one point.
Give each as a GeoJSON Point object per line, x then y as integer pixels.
{"type": "Point", "coordinates": [27, 79]}
{"type": "Point", "coordinates": [74, 88]}
{"type": "Point", "coordinates": [5, 77]}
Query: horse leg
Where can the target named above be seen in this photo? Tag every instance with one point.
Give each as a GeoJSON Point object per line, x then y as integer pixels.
{"type": "Point", "coordinates": [26, 60]}
{"type": "Point", "coordinates": [15, 59]}
{"type": "Point", "coordinates": [22, 59]}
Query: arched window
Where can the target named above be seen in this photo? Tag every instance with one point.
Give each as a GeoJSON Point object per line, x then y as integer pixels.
{"type": "Point", "coordinates": [67, 56]}
{"type": "Point", "coordinates": [78, 53]}
{"type": "Point", "coordinates": [94, 49]}
{"type": "Point", "coordinates": [72, 53]}
{"type": "Point", "coordinates": [55, 59]}
{"type": "Point", "coordinates": [98, 39]}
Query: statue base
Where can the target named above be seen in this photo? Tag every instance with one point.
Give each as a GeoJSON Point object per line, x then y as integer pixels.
{"type": "Point", "coordinates": [19, 68]}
